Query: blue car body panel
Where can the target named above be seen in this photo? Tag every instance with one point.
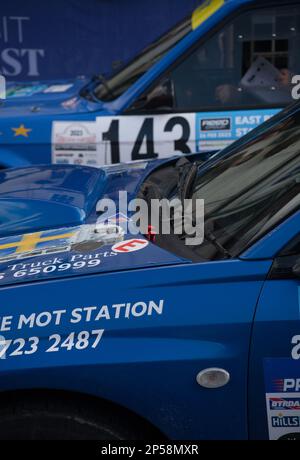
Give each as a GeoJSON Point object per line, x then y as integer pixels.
{"type": "Point", "coordinates": [38, 106]}
{"type": "Point", "coordinates": [130, 322]}
{"type": "Point", "coordinates": [162, 319]}
{"type": "Point", "coordinates": [276, 322]}
{"type": "Point", "coordinates": [21, 195]}
{"type": "Point", "coordinates": [149, 364]}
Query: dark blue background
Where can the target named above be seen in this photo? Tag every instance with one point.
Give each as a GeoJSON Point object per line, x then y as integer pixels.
{"type": "Point", "coordinates": [81, 37]}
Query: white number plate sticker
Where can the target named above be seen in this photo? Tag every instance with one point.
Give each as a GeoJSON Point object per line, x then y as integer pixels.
{"type": "Point", "coordinates": [123, 139]}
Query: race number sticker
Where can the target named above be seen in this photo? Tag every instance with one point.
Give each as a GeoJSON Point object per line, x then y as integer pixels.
{"type": "Point", "coordinates": [131, 138]}
{"type": "Point", "coordinates": [126, 138]}
{"type": "Point", "coordinates": [123, 139]}
{"type": "Point", "coordinates": [75, 143]}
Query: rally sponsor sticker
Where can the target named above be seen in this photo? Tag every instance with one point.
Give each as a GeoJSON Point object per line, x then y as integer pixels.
{"type": "Point", "coordinates": [282, 380]}
{"type": "Point", "coordinates": [75, 143]}
{"type": "Point", "coordinates": [82, 238]}
{"type": "Point", "coordinates": [86, 249]}
{"type": "Point", "coordinates": [22, 334]}
{"type": "Point", "coordinates": [128, 246]}
{"type": "Point", "coordinates": [125, 138]}
{"type": "Point", "coordinates": [24, 90]}
{"type": "Point", "coordinates": [58, 88]}
{"type": "Point", "coordinates": [216, 124]}
{"type": "Point", "coordinates": [57, 252]}
{"type": "Point", "coordinates": [215, 131]}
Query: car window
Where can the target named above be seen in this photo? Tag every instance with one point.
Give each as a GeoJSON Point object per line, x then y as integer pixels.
{"type": "Point", "coordinates": [249, 62]}
{"type": "Point", "coordinates": [113, 87]}
{"type": "Point", "coordinates": [292, 248]}
{"type": "Point", "coordinates": [253, 188]}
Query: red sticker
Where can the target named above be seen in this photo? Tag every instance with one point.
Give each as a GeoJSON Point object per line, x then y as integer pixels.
{"type": "Point", "coordinates": [130, 246]}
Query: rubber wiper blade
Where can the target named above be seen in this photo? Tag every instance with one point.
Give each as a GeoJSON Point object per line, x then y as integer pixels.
{"type": "Point", "coordinates": [101, 79]}
{"type": "Point", "coordinates": [187, 175]}
{"type": "Point", "coordinates": [209, 236]}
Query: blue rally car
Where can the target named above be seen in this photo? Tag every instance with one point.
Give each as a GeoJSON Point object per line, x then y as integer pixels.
{"type": "Point", "coordinates": [204, 84]}
{"type": "Point", "coordinates": [110, 335]}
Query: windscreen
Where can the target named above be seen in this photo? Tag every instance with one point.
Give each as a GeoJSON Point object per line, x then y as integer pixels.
{"type": "Point", "coordinates": [254, 187]}
{"type": "Point", "coordinates": [120, 82]}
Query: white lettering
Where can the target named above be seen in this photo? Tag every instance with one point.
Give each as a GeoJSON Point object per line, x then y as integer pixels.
{"type": "Point", "coordinates": [296, 348]}
{"type": "Point", "coordinates": [296, 89]}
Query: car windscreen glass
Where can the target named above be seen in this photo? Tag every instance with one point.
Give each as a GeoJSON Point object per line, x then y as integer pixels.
{"type": "Point", "coordinates": [113, 87]}
{"type": "Point", "coordinates": [254, 188]}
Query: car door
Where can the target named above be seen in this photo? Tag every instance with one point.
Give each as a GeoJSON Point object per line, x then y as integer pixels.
{"type": "Point", "coordinates": [227, 83]}
{"type": "Point", "coordinates": [274, 374]}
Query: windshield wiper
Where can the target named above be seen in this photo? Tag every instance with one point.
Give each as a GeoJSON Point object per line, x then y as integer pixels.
{"type": "Point", "coordinates": [101, 79]}
{"type": "Point", "coordinates": [209, 236]}
{"type": "Point", "coordinates": [89, 90]}
{"type": "Point", "coordinates": [187, 176]}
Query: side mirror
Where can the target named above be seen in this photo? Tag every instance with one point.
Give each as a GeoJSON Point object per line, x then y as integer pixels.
{"type": "Point", "coordinates": [285, 267]}
{"type": "Point", "coordinates": [161, 97]}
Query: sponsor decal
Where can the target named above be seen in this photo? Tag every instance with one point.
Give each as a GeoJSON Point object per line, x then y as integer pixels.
{"type": "Point", "coordinates": [282, 397]}
{"type": "Point", "coordinates": [75, 143]}
{"type": "Point", "coordinates": [284, 403]}
{"type": "Point", "coordinates": [124, 139]}
{"type": "Point", "coordinates": [24, 90]}
{"type": "Point", "coordinates": [285, 421]}
{"type": "Point", "coordinates": [74, 251]}
{"type": "Point", "coordinates": [82, 239]}
{"type": "Point", "coordinates": [215, 124]}
{"type": "Point", "coordinates": [90, 321]}
{"type": "Point", "coordinates": [130, 246]}
{"type": "Point", "coordinates": [58, 88]}
{"type": "Point", "coordinates": [285, 385]}
{"type": "Point", "coordinates": [216, 131]}
{"type": "Point", "coordinates": [46, 266]}
{"type": "Point", "coordinates": [30, 90]}
{"type": "Point", "coordinates": [21, 131]}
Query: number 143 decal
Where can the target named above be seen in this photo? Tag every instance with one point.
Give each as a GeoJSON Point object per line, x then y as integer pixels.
{"type": "Point", "coordinates": [129, 138]}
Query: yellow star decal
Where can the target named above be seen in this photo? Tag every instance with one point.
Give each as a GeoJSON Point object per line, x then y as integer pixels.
{"type": "Point", "coordinates": [21, 131]}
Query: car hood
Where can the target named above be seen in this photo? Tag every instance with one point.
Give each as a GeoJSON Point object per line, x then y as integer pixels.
{"type": "Point", "coordinates": [49, 224]}
{"type": "Point", "coordinates": [55, 97]}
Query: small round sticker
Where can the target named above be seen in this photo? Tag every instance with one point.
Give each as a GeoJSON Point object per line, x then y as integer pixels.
{"type": "Point", "coordinates": [130, 246]}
